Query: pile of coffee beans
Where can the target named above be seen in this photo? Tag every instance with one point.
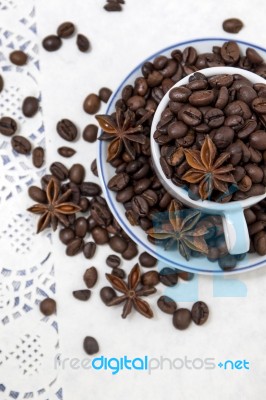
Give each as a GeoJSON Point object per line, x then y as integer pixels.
{"type": "Point", "coordinates": [231, 111]}
{"type": "Point", "coordinates": [114, 5]}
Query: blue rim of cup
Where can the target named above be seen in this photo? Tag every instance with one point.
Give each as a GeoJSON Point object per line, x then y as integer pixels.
{"type": "Point", "coordinates": [104, 184]}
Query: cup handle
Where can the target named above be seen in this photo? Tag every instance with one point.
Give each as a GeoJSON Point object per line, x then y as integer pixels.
{"type": "Point", "coordinates": [236, 231]}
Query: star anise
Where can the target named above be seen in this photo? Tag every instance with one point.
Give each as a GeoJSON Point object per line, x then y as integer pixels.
{"type": "Point", "coordinates": [208, 171]}
{"type": "Point", "coordinates": [181, 228]}
{"type": "Point", "coordinates": [122, 132]}
{"type": "Point", "coordinates": [131, 293]}
{"type": "Point", "coordinates": [56, 209]}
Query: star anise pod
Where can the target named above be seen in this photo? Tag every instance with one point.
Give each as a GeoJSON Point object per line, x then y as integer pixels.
{"type": "Point", "coordinates": [131, 293]}
{"type": "Point", "coordinates": [208, 172]}
{"type": "Point", "coordinates": [122, 132]}
{"type": "Point", "coordinates": [56, 209]}
{"type": "Point", "coordinates": [181, 228]}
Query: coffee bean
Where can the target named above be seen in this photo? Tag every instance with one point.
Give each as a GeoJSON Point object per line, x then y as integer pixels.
{"type": "Point", "coordinates": [257, 140]}
{"type": "Point", "coordinates": [181, 318]}
{"type": "Point", "coordinates": [66, 235]}
{"type": "Point", "coordinates": [90, 133]}
{"type": "Point", "coordinates": [236, 152]}
{"type": "Point", "coordinates": [84, 204]}
{"type": "Point", "coordinates": [74, 247]}
{"type": "Point", "coordinates": [18, 57]}
{"type": "Point", "coordinates": [166, 304]}
{"type": "Point", "coordinates": [118, 244]}
{"type": "Point", "coordinates": [130, 252]}
{"type": "Point", "coordinates": [83, 294]}
{"type": "Point", "coordinates": [259, 105]}
{"type": "Point", "coordinates": [214, 118]}
{"type": "Point", "coordinates": [222, 99]}
{"type": "Point", "coordinates": [105, 94]}
{"type": "Point", "coordinates": [254, 172]}
{"type": "Point", "coordinates": [92, 104]}
{"type": "Point", "coordinates": [20, 144]}
{"type": "Point", "coordinates": [113, 261]}
{"type": "Point", "coordinates": [199, 312]}
{"type": "Point", "coordinates": [223, 137]}
{"type": "Point", "coordinates": [150, 278]}
{"type": "Point", "coordinates": [253, 56]}
{"type": "Point", "coordinates": [177, 130]}
{"type": "Point", "coordinates": [146, 260]}
{"type": "Point", "coordinates": [77, 173]}
{"type": "Point", "coordinates": [37, 194]}
{"type": "Point", "coordinates": [90, 189]}
{"type": "Point", "coordinates": [59, 170]}
{"type": "Point", "coordinates": [90, 345]}
{"type": "Point", "coordinates": [107, 294]}
{"type": "Point", "coordinates": [168, 276]}
{"type": "Point", "coordinates": [112, 7]}
{"type": "Point", "coordinates": [83, 43]}
{"type": "Point", "coordinates": [180, 94]}
{"type": "Point", "coordinates": [246, 94]}
{"type": "Point", "coordinates": [201, 98]}
{"type": "Point", "coordinates": [238, 107]}
{"type": "Point", "coordinates": [260, 243]}
{"type": "Point", "coordinates": [38, 157]}
{"type": "Point", "coordinates": [142, 185]}
{"type": "Point", "coordinates": [230, 52]}
{"type": "Point", "coordinates": [8, 126]}
{"type": "Point", "coordinates": [66, 152]}
{"type": "Point", "coordinates": [227, 262]}
{"type": "Point", "coordinates": [80, 227]}
{"type": "Point", "coordinates": [89, 250]}
{"type": "Point", "coordinates": [119, 273]}
{"type": "Point", "coordinates": [52, 43]}
{"type": "Point", "coordinates": [100, 235]}
{"type": "Point", "coordinates": [90, 277]}
{"type": "Point", "coordinates": [65, 30]}
{"type": "Point", "coordinates": [219, 81]}
{"type": "Point", "coordinates": [48, 307]}
{"type": "Point", "coordinates": [30, 106]}
{"type": "Point", "coordinates": [1, 83]}
{"type": "Point", "coordinates": [94, 168]}
{"type": "Point", "coordinates": [232, 25]}
{"type": "Point", "coordinates": [67, 130]}
{"type": "Point", "coordinates": [248, 127]}
{"type": "Point", "coordinates": [118, 182]}
{"type": "Point", "coordinates": [140, 206]}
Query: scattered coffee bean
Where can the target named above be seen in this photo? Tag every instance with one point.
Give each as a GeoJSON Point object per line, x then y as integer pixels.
{"type": "Point", "coordinates": [113, 261]}
{"type": "Point", "coordinates": [52, 43]}
{"type": "Point", "coordinates": [100, 235]}
{"type": "Point", "coordinates": [168, 276]}
{"type": "Point", "coordinates": [227, 262]}
{"type": "Point", "coordinates": [18, 57]}
{"type": "Point", "coordinates": [37, 194]}
{"type": "Point", "coordinates": [65, 30]}
{"type": "Point", "coordinates": [130, 252]}
{"type": "Point", "coordinates": [181, 318]}
{"type": "Point", "coordinates": [112, 6]}
{"type": "Point", "coordinates": [90, 133]}
{"type": "Point", "coordinates": [107, 294]}
{"type": "Point", "coordinates": [186, 276]}
{"type": "Point", "coordinates": [166, 304]}
{"type": "Point", "coordinates": [90, 189]}
{"type": "Point", "coordinates": [67, 130]}
{"type": "Point", "coordinates": [92, 104]}
{"type": "Point", "coordinates": [38, 157]}
{"type": "Point", "coordinates": [81, 227]}
{"type": "Point", "coordinates": [66, 152]}
{"type": "Point", "coordinates": [146, 260]}
{"type": "Point", "coordinates": [30, 106]}
{"type": "Point", "coordinates": [119, 273]}
{"type": "Point", "coordinates": [118, 244]}
{"type": "Point", "coordinates": [232, 25]}
{"type": "Point", "coordinates": [66, 235]}
{"type": "Point", "coordinates": [77, 173]}
{"type": "Point", "coordinates": [94, 168]}
{"type": "Point", "coordinates": [90, 277]}
{"type": "Point", "coordinates": [199, 312]}
{"type": "Point", "coordinates": [150, 278]}
{"type": "Point", "coordinates": [21, 145]}
{"type": "Point", "coordinates": [74, 247]}
{"type": "Point", "coordinates": [89, 250]}
{"type": "Point", "coordinates": [90, 345]}
{"type": "Point", "coordinates": [105, 94]}
{"type": "Point", "coordinates": [59, 170]}
{"type": "Point", "coordinates": [8, 126]}
{"type": "Point", "coordinates": [83, 294]}
{"type": "Point", "coordinates": [48, 307]}
{"type": "Point", "coordinates": [83, 43]}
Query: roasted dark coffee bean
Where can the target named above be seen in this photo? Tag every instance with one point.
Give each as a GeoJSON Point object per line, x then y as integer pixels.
{"type": "Point", "coordinates": [190, 115]}
{"type": "Point", "coordinates": [113, 261]}
{"type": "Point", "coordinates": [135, 102]}
{"type": "Point", "coordinates": [154, 79]}
{"type": "Point", "coordinates": [80, 227]}
{"type": "Point", "coordinates": [92, 104]}
{"type": "Point", "coordinates": [1, 83]}
{"type": "Point", "coordinates": [180, 94]}
{"type": "Point", "coordinates": [89, 250]}
{"type": "Point", "coordinates": [256, 190]}
{"type": "Point", "coordinates": [66, 152]}
{"type": "Point", "coordinates": [238, 107]}
{"type": "Point", "coordinates": [177, 130]}
{"type": "Point", "coordinates": [227, 262]}
{"type": "Point", "coordinates": [250, 216]}
{"type": "Point", "coordinates": [130, 252]}
{"type": "Point", "coordinates": [222, 80]}
{"type": "Point", "coordinates": [236, 152]}
{"type": "Point", "coordinates": [257, 140]}
{"type": "Point", "coordinates": [18, 57]}
{"type": "Point", "coordinates": [146, 260]}
{"type": "Point", "coordinates": [94, 168]}
{"type": "Point", "coordinates": [112, 6]}
{"type": "Point", "coordinates": [8, 126]}
{"type": "Point", "coordinates": [254, 172]}
{"type": "Point", "coordinates": [234, 121]}
{"type": "Point", "coordinates": [74, 247]}
{"type": "Point", "coordinates": [67, 130]}
{"type": "Point", "coordinates": [77, 173]}
{"type": "Point", "coordinates": [65, 30]}
{"type": "Point", "coordinates": [167, 169]}
{"type": "Point", "coordinates": [52, 43]}
{"type": "Point", "coordinates": [260, 243]}
{"type": "Point", "coordinates": [150, 196]}
{"type": "Point", "coordinates": [186, 276]}
{"type": "Point", "coordinates": [230, 52]}
{"type": "Point", "coordinates": [105, 94]}
{"type": "Point", "coordinates": [253, 56]}
{"type": "Point", "coordinates": [245, 184]}
{"type": "Point", "coordinates": [259, 105]}
{"type": "Point", "coordinates": [118, 182]}
{"type": "Point", "coordinates": [223, 137]}
{"type": "Point", "coordinates": [30, 106]}
{"type": "Point", "coordinates": [166, 304]}
{"type": "Point", "coordinates": [119, 273]}
{"type": "Point", "coordinates": [232, 25]}
{"type": "Point", "coordinates": [248, 127]}
{"type": "Point", "coordinates": [37, 194]}
{"type": "Point", "coordinates": [246, 94]}
{"type": "Point", "coordinates": [90, 345]}
{"type": "Point", "coordinates": [90, 277]}
{"type": "Point", "coordinates": [197, 85]}
{"type": "Point", "coordinates": [107, 294]}
{"type": "Point", "coordinates": [141, 173]}
{"type": "Point", "coordinates": [101, 214]}
{"type": "Point", "coordinates": [125, 195]}
{"type": "Point", "coordinates": [199, 312]}
{"type": "Point", "coordinates": [181, 318]}
{"type": "Point", "coordinates": [214, 118]}
{"type": "Point", "coordinates": [150, 278]}
{"type": "Point", "coordinates": [118, 244]}
{"type": "Point", "coordinates": [140, 206]}
{"type": "Point", "coordinates": [165, 201]}
{"type": "Point", "coordinates": [142, 185]}
{"type": "Point", "coordinates": [168, 276]}
{"type": "Point", "coordinates": [90, 189]}
{"type": "Point", "coordinates": [100, 235]}
{"type": "Point", "coordinates": [256, 227]}
{"type": "Point", "coordinates": [222, 98]}
{"type": "Point", "coordinates": [83, 43]}
{"type": "Point", "coordinates": [20, 144]}
{"type": "Point", "coordinates": [59, 170]}
{"type": "Point", "coordinates": [90, 132]}
{"type": "Point", "coordinates": [48, 306]}
{"type": "Point", "coordinates": [66, 235]}
{"type": "Point", "coordinates": [83, 294]}
{"type": "Point", "coordinates": [201, 98]}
